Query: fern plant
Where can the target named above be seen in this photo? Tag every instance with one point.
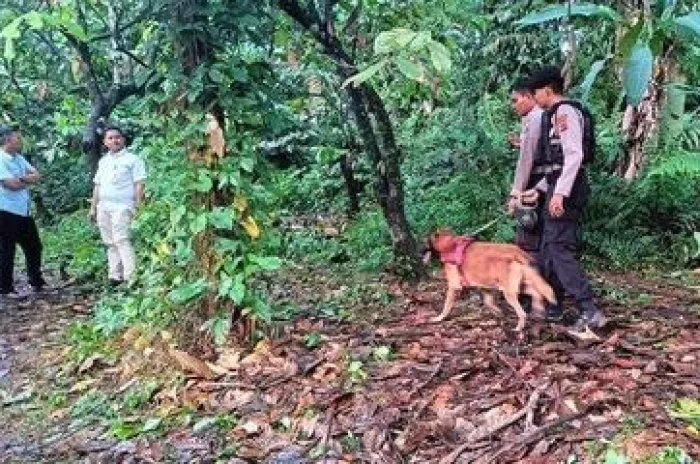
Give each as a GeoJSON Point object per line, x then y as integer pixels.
{"type": "Point", "coordinates": [678, 163]}
{"type": "Point", "coordinates": [690, 132]}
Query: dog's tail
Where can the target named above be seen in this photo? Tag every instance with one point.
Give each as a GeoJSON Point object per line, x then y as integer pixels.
{"type": "Point", "coordinates": [538, 283]}
{"type": "Point", "coordinates": [521, 256]}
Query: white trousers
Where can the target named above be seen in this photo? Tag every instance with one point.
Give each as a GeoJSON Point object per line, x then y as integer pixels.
{"type": "Point", "coordinates": [115, 229]}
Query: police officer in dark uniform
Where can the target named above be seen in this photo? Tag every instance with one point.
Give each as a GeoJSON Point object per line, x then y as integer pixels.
{"type": "Point", "coordinates": [566, 145]}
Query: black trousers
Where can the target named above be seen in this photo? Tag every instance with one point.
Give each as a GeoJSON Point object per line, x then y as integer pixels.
{"type": "Point", "coordinates": [559, 248]}
{"type": "Point", "coordinates": [14, 230]}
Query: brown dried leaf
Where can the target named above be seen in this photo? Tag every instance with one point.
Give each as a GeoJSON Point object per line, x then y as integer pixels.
{"type": "Point", "coordinates": [215, 136]}
{"type": "Point", "coordinates": [83, 385]}
{"type": "Point", "coordinates": [190, 363]}
{"type": "Point", "coordinates": [529, 367]}
{"type": "Point", "coordinates": [229, 359]}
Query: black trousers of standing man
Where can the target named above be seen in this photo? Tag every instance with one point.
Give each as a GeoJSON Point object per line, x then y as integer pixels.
{"type": "Point", "coordinates": [558, 256]}
{"type": "Point", "coordinates": [19, 230]}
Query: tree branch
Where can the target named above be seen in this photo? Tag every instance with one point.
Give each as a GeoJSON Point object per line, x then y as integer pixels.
{"type": "Point", "coordinates": [133, 57]}
{"type": "Point", "coordinates": [310, 20]}
{"type": "Point", "coordinates": [15, 82]}
{"type": "Point", "coordinates": [84, 52]}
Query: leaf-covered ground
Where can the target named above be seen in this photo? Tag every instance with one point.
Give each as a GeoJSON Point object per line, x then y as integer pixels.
{"type": "Point", "coordinates": [359, 374]}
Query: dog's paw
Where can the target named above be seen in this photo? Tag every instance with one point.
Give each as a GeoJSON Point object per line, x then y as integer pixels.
{"type": "Point", "coordinates": [437, 318]}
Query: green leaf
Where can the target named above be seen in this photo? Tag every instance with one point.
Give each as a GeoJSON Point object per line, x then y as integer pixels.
{"type": "Point", "coordinates": [237, 292]}
{"type": "Point", "coordinates": [612, 457]}
{"type": "Point", "coordinates": [440, 56]}
{"type": "Point", "coordinates": [203, 425]}
{"type": "Point", "coordinates": [177, 214]}
{"type": "Point", "coordinates": [664, 7]}
{"type": "Point", "coordinates": [34, 19]}
{"type": "Point", "coordinates": [216, 76]}
{"type": "Point", "coordinates": [421, 40]}
{"type": "Point", "coordinates": [188, 292]}
{"type": "Point", "coordinates": [9, 53]}
{"type": "Point", "coordinates": [393, 40]}
{"type": "Point", "coordinates": [221, 218]}
{"type": "Point", "coordinates": [247, 164]}
{"type": "Point", "coordinates": [225, 284]}
{"type": "Point", "coordinates": [637, 72]}
{"type": "Point", "coordinates": [72, 28]}
{"type": "Point", "coordinates": [588, 82]}
{"type": "Point", "coordinates": [553, 12]}
{"type": "Point", "coordinates": [11, 31]}
{"type": "Point", "coordinates": [658, 39]}
{"type": "Point", "coordinates": [204, 183]}
{"type": "Point", "coordinates": [268, 263]}
{"type": "Point", "coordinates": [125, 430]}
{"type": "Point", "coordinates": [365, 75]}
{"type": "Point", "coordinates": [220, 328]}
{"type": "Point", "coordinates": [689, 25]}
{"type": "Point", "coordinates": [199, 223]}
{"type": "Point", "coordinates": [409, 68]}
{"type": "Point", "coordinates": [630, 37]}
{"type": "Point", "coordinates": [226, 245]}
{"type": "Point", "coordinates": [152, 424]}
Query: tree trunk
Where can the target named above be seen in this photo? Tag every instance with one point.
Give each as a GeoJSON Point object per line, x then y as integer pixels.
{"type": "Point", "coordinates": [92, 145]}
{"type": "Point", "coordinates": [376, 132]}
{"type": "Point", "coordinates": [639, 125]}
{"type": "Point", "coordinates": [672, 104]}
{"type": "Point", "coordinates": [193, 49]}
{"type": "Point", "coordinates": [387, 173]}
{"type": "Point", "coordinates": [569, 49]}
{"type": "Point", "coordinates": [405, 249]}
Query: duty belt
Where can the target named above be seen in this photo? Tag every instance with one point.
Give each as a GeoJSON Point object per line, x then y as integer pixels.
{"type": "Point", "coordinates": [547, 169]}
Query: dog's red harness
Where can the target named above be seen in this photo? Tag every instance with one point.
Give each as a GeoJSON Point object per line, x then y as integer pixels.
{"type": "Point", "coordinates": [456, 256]}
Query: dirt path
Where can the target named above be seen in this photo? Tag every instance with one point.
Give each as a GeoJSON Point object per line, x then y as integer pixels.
{"type": "Point", "coordinates": [361, 375]}
{"type": "Point", "coordinates": [31, 343]}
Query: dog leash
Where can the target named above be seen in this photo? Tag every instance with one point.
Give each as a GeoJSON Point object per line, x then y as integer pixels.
{"type": "Point", "coordinates": [488, 225]}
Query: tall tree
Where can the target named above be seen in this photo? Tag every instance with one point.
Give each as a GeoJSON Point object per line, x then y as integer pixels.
{"type": "Point", "coordinates": [374, 125]}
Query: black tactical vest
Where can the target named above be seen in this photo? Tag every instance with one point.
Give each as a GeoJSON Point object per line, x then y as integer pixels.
{"type": "Point", "coordinates": [549, 155]}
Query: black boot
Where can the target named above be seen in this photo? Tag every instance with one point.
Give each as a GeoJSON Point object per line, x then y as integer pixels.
{"type": "Point", "coordinates": [591, 318]}
{"type": "Point", "coordinates": [554, 312]}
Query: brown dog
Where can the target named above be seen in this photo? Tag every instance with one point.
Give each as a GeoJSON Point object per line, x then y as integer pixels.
{"type": "Point", "coordinates": [490, 266]}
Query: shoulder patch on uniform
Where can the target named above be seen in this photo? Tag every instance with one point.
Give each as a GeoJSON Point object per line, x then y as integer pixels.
{"type": "Point", "coordinates": [561, 121]}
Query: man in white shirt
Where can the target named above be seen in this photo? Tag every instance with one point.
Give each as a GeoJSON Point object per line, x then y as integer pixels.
{"type": "Point", "coordinates": [525, 106]}
{"type": "Point", "coordinates": [117, 195]}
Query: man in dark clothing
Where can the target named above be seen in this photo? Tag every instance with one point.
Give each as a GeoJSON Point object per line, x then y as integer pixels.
{"type": "Point", "coordinates": [560, 162]}
{"type": "Point", "coordinates": [16, 224]}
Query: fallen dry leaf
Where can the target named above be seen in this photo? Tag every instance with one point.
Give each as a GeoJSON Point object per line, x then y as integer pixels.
{"type": "Point", "coordinates": [229, 359]}
{"type": "Point", "coordinates": [192, 364]}
{"type": "Point", "coordinates": [83, 385]}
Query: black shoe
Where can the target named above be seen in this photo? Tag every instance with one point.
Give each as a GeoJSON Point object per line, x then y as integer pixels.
{"type": "Point", "coordinates": [588, 320]}
{"type": "Point", "coordinates": [114, 283]}
{"type": "Point", "coordinates": [594, 319]}
{"type": "Point", "coordinates": [554, 313]}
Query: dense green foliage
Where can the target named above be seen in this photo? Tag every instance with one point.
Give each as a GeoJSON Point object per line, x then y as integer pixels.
{"type": "Point", "coordinates": [287, 126]}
